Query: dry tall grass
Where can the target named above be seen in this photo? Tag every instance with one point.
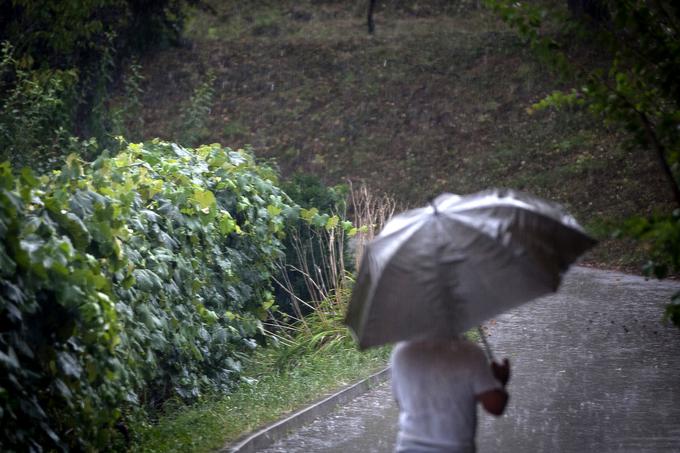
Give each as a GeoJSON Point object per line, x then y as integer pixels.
{"type": "Point", "coordinates": [317, 322]}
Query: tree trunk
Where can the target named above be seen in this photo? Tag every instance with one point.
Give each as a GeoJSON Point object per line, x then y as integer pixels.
{"type": "Point", "coordinates": [371, 23]}
{"type": "Point", "coordinates": [594, 10]}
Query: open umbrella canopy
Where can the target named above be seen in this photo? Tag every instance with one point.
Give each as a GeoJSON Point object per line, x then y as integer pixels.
{"type": "Point", "coordinates": [439, 270]}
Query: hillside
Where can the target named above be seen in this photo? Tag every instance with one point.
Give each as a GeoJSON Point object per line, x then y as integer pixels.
{"type": "Point", "coordinates": [435, 101]}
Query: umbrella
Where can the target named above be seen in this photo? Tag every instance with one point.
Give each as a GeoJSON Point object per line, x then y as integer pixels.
{"type": "Point", "coordinates": [440, 270]}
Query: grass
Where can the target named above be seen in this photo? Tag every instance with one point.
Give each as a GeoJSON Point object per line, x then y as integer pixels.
{"type": "Point", "coordinates": [266, 392]}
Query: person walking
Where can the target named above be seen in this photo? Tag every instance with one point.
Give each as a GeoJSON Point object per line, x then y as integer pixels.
{"type": "Point", "coordinates": [437, 384]}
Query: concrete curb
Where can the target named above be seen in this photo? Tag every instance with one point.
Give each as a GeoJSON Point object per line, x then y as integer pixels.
{"type": "Point", "coordinates": [269, 434]}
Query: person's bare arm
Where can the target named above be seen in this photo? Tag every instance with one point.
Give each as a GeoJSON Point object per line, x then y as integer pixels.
{"type": "Point", "coordinates": [495, 401]}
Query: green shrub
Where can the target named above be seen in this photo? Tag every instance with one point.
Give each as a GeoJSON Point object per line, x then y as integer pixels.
{"type": "Point", "coordinates": [129, 280]}
{"type": "Point", "coordinates": [33, 110]}
{"type": "Point", "coordinates": [196, 114]}
{"type": "Point", "coordinates": [126, 116]}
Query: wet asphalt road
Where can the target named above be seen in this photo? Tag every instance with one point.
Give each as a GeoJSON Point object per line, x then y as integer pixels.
{"type": "Point", "coordinates": [594, 370]}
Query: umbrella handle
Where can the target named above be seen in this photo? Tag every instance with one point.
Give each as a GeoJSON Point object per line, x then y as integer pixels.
{"type": "Point", "coordinates": [487, 349]}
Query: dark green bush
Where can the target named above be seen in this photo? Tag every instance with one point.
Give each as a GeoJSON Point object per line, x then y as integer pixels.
{"type": "Point", "coordinates": [307, 245]}
{"type": "Point", "coordinates": [129, 280]}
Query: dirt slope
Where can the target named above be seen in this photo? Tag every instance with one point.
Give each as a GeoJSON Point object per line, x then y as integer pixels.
{"type": "Point", "coordinates": [432, 102]}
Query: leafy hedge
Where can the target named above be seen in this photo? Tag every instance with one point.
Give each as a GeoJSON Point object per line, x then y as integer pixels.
{"type": "Point", "coordinates": [128, 280]}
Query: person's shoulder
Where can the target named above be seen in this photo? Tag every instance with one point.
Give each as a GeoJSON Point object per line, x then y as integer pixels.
{"type": "Point", "coordinates": [469, 347]}
{"type": "Point", "coordinates": [435, 346]}
{"type": "Point", "coordinates": [401, 346]}
{"type": "Point", "coordinates": [400, 349]}
{"type": "Point", "coordinates": [418, 348]}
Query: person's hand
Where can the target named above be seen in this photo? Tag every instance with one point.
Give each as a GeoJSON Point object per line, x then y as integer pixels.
{"type": "Point", "coordinates": [501, 371]}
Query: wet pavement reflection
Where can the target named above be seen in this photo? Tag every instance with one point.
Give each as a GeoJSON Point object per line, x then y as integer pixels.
{"type": "Point", "coordinates": [366, 424]}
{"type": "Point", "coordinates": [594, 370]}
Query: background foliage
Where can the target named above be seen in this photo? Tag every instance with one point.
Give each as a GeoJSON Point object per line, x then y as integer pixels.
{"type": "Point", "coordinates": [632, 84]}
{"type": "Point", "coordinates": [58, 64]}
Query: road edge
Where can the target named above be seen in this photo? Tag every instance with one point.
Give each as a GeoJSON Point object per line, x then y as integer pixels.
{"type": "Point", "coordinates": [266, 436]}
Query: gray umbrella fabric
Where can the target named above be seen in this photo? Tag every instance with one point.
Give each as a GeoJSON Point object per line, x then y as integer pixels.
{"type": "Point", "coordinates": [440, 270]}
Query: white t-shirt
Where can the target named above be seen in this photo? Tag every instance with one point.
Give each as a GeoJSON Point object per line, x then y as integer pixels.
{"type": "Point", "coordinates": [435, 383]}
